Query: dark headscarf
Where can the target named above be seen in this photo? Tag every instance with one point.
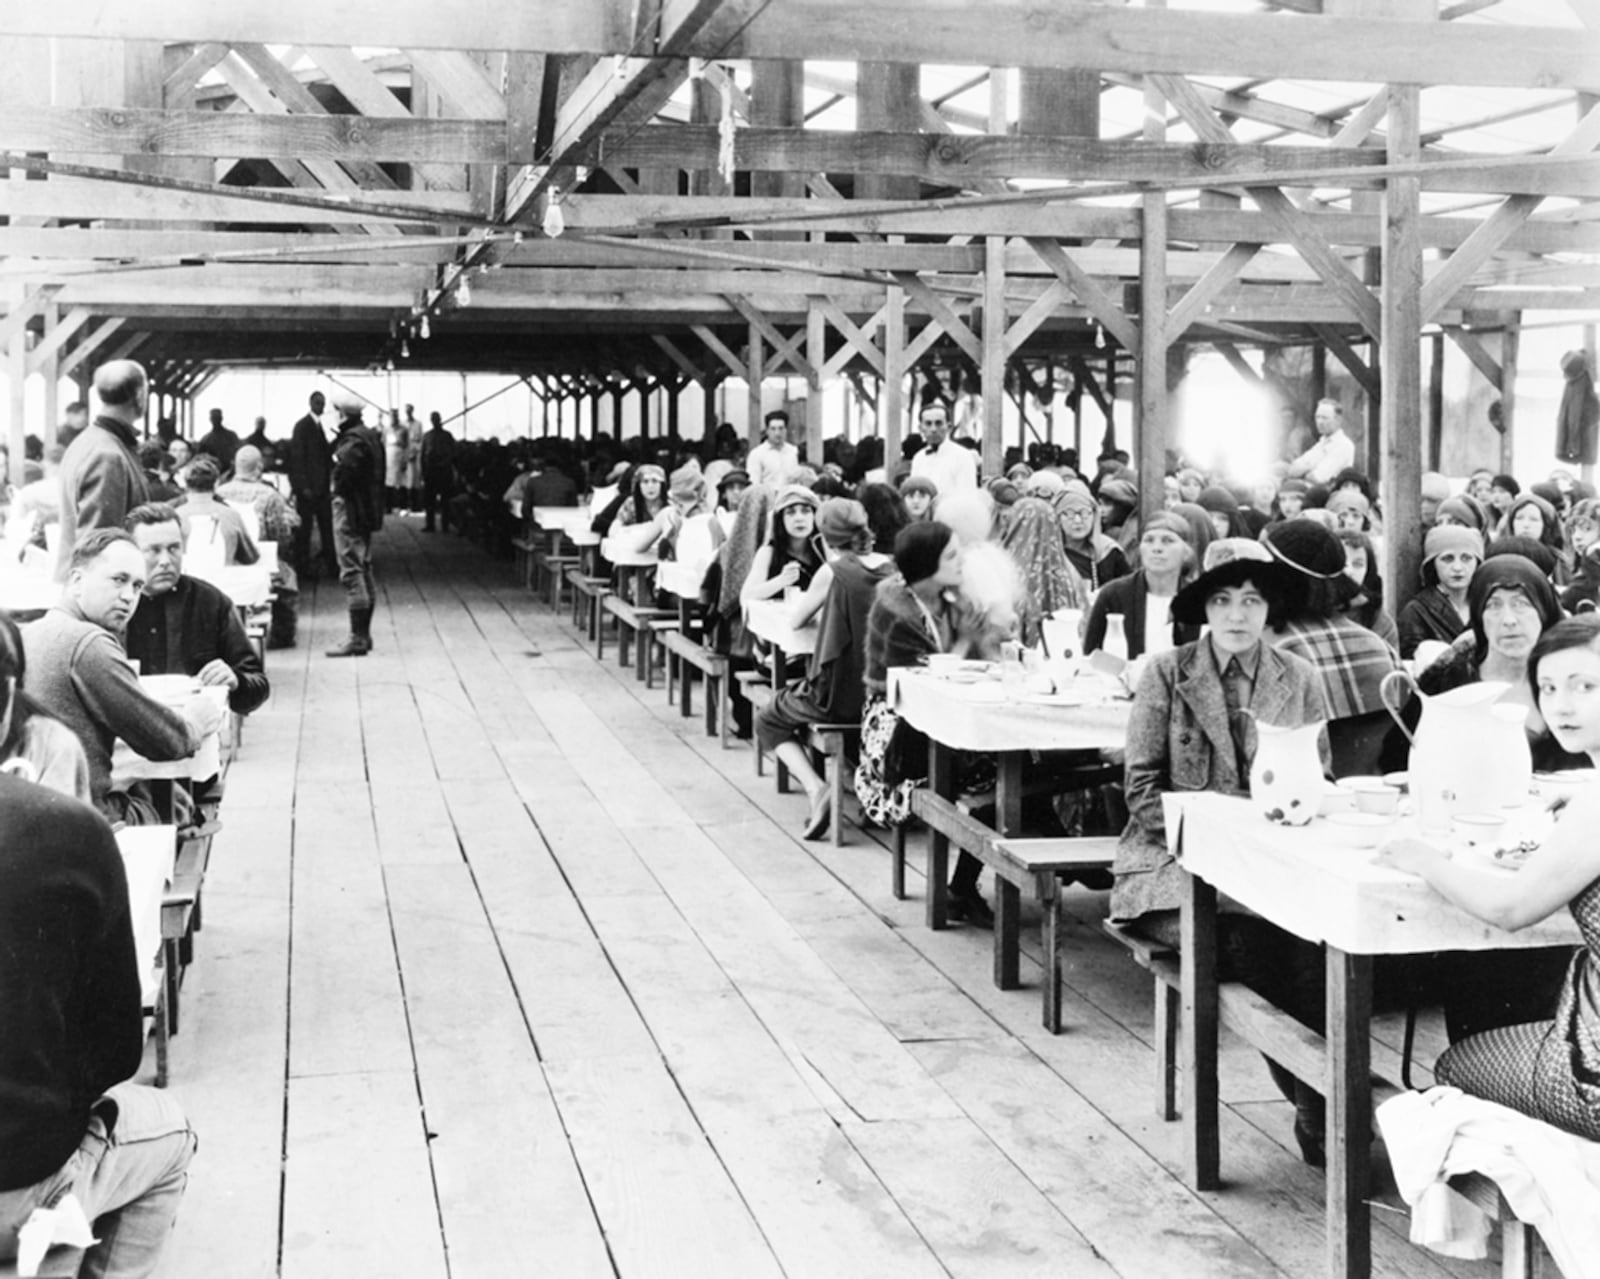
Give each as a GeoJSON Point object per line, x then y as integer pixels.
{"type": "Point", "coordinates": [1513, 572]}
{"type": "Point", "coordinates": [1201, 530]}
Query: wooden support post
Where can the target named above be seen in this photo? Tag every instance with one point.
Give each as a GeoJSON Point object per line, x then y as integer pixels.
{"type": "Point", "coordinates": [1433, 458]}
{"type": "Point", "coordinates": [51, 373]}
{"type": "Point", "coordinates": [1400, 421]}
{"type": "Point", "coordinates": [994, 353]}
{"type": "Point", "coordinates": [1510, 342]}
{"type": "Point", "coordinates": [755, 372]}
{"type": "Point", "coordinates": [816, 356]}
{"type": "Point", "coordinates": [1150, 437]}
{"type": "Point", "coordinates": [891, 388]}
{"type": "Point", "coordinates": [16, 384]}
{"type": "Point", "coordinates": [778, 101]}
{"type": "Point", "coordinates": [888, 97]}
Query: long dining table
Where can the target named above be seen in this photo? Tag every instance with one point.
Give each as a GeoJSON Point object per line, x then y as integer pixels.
{"type": "Point", "coordinates": [1311, 882]}
{"type": "Point", "coordinates": [973, 710]}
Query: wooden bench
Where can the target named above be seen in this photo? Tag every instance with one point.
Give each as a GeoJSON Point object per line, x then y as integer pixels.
{"type": "Point", "coordinates": [61, 1262]}
{"type": "Point", "coordinates": [685, 653]}
{"type": "Point", "coordinates": [587, 592]}
{"type": "Point", "coordinates": [1521, 1251]}
{"type": "Point", "coordinates": [653, 634]}
{"type": "Point", "coordinates": [523, 549]}
{"type": "Point", "coordinates": [839, 743]}
{"type": "Point", "coordinates": [181, 919]}
{"type": "Point", "coordinates": [1035, 865]}
{"type": "Point", "coordinates": [551, 570]}
{"type": "Point", "coordinates": [632, 619]}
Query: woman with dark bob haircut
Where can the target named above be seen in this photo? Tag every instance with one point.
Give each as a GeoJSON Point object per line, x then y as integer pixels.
{"type": "Point", "coordinates": [1549, 1069]}
{"type": "Point", "coordinates": [915, 613]}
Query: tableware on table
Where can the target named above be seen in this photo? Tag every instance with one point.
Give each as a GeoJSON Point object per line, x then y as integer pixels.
{"type": "Point", "coordinates": [1451, 771]}
{"type": "Point", "coordinates": [1336, 798]}
{"type": "Point", "coordinates": [1476, 830]}
{"type": "Point", "coordinates": [1401, 781]}
{"type": "Point", "coordinates": [172, 689]}
{"type": "Point", "coordinates": [1286, 779]}
{"type": "Point", "coordinates": [1360, 830]}
{"type": "Point", "coordinates": [942, 664]}
{"type": "Point", "coordinates": [1374, 795]}
{"type": "Point", "coordinates": [1562, 786]}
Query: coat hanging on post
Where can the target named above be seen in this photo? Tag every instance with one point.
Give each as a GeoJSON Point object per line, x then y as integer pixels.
{"type": "Point", "coordinates": [1578, 418]}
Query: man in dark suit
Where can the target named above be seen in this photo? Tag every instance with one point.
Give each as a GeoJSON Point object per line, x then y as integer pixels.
{"type": "Point", "coordinates": [310, 467]}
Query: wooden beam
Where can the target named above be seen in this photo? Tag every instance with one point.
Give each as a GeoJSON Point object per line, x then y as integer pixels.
{"type": "Point", "coordinates": [947, 320]}
{"type": "Point", "coordinates": [1201, 293]}
{"type": "Point", "coordinates": [187, 73]}
{"type": "Point", "coordinates": [1348, 356]}
{"type": "Point", "coordinates": [461, 82]}
{"type": "Point", "coordinates": [993, 369]}
{"type": "Point", "coordinates": [891, 397]}
{"type": "Point", "coordinates": [90, 344]}
{"type": "Point", "coordinates": [1400, 429]}
{"type": "Point", "coordinates": [28, 306]}
{"type": "Point", "coordinates": [1500, 225]}
{"type": "Point", "coordinates": [1478, 354]}
{"type": "Point", "coordinates": [56, 336]}
{"type": "Point", "coordinates": [238, 135]}
{"type": "Point", "coordinates": [720, 349]}
{"type": "Point", "coordinates": [1089, 292]}
{"type": "Point", "coordinates": [1012, 33]}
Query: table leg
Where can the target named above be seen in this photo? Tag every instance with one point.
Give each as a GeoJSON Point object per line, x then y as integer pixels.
{"type": "Point", "coordinates": [1198, 986]}
{"type": "Point", "coordinates": [1007, 897]}
{"type": "Point", "coordinates": [942, 781]}
{"type": "Point", "coordinates": [1349, 1130]}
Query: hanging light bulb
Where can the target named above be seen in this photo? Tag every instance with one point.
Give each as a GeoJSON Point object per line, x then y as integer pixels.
{"type": "Point", "coordinates": [405, 349]}
{"type": "Point", "coordinates": [464, 292]}
{"type": "Point", "coordinates": [389, 364]}
{"type": "Point", "coordinates": [1099, 338]}
{"type": "Point", "coordinates": [555, 221]}
{"type": "Point", "coordinates": [425, 331]}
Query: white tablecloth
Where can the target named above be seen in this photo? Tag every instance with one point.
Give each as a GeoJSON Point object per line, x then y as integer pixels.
{"type": "Point", "coordinates": [769, 619]}
{"type": "Point", "coordinates": [27, 592]}
{"type": "Point", "coordinates": [680, 579]}
{"type": "Point", "coordinates": [128, 767]}
{"type": "Point", "coordinates": [986, 716]}
{"type": "Point", "coordinates": [1309, 880]}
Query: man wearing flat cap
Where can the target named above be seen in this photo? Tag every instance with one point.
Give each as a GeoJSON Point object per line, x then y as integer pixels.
{"type": "Point", "coordinates": [357, 514]}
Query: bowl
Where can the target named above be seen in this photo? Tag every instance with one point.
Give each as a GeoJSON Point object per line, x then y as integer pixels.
{"type": "Point", "coordinates": [1360, 830]}
{"type": "Point", "coordinates": [1564, 785]}
{"type": "Point", "coordinates": [1400, 781]}
{"type": "Point", "coordinates": [943, 663]}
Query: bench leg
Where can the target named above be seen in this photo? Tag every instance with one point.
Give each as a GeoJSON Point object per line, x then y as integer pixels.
{"type": "Point", "coordinates": [942, 781]}
{"type": "Point", "coordinates": [647, 657]}
{"type": "Point", "coordinates": [1050, 939]}
{"type": "Point", "coordinates": [598, 632]}
{"type": "Point", "coordinates": [898, 861]}
{"type": "Point", "coordinates": [163, 1035]}
{"type": "Point", "coordinates": [724, 687]}
{"type": "Point", "coordinates": [1007, 939]}
{"type": "Point", "coordinates": [1519, 1248]}
{"type": "Point", "coordinates": [836, 798]}
{"type": "Point", "coordinates": [1167, 1024]}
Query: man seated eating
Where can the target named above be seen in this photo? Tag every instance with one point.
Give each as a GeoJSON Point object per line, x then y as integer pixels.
{"type": "Point", "coordinates": [183, 626]}
{"type": "Point", "coordinates": [79, 672]}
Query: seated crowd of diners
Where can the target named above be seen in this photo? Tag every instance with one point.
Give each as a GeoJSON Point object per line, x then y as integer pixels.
{"type": "Point", "coordinates": [1229, 604]}
{"type": "Point", "coordinates": [76, 1134]}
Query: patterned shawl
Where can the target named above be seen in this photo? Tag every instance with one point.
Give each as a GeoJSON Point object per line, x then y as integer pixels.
{"type": "Point", "coordinates": [1033, 536]}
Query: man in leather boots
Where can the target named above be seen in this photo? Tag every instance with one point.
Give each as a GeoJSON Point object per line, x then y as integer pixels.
{"type": "Point", "coordinates": [357, 514]}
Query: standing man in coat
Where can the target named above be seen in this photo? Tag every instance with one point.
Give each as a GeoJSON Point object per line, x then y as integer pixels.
{"type": "Point", "coordinates": [310, 465]}
{"type": "Point", "coordinates": [438, 455]}
{"type": "Point", "coordinates": [101, 476]}
{"type": "Point", "coordinates": [357, 483]}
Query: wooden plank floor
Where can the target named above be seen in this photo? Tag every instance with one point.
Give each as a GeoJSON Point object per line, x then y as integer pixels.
{"type": "Point", "coordinates": [508, 970]}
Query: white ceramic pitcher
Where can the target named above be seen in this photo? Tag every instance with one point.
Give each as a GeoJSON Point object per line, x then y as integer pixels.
{"type": "Point", "coordinates": [1460, 752]}
{"type": "Point", "coordinates": [1286, 774]}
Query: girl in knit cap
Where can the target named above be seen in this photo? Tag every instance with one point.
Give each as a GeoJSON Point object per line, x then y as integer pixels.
{"type": "Point", "coordinates": [920, 494]}
{"type": "Point", "coordinates": [1465, 511]}
{"type": "Point", "coordinates": [792, 553]}
{"type": "Point", "coordinates": [1291, 499]}
{"type": "Point", "coordinates": [1144, 597]}
{"type": "Point", "coordinates": [1450, 557]}
{"type": "Point", "coordinates": [1223, 508]}
{"type": "Point", "coordinates": [1119, 515]}
{"type": "Point", "coordinates": [1190, 483]}
{"type": "Point", "coordinates": [1096, 557]}
{"type": "Point", "coordinates": [1361, 567]}
{"type": "Point", "coordinates": [1503, 491]}
{"type": "Point", "coordinates": [1534, 517]}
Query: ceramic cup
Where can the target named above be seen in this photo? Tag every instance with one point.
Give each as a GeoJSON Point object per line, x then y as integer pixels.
{"type": "Point", "coordinates": [943, 663]}
{"type": "Point", "coordinates": [1374, 795]}
{"type": "Point", "coordinates": [1477, 829]}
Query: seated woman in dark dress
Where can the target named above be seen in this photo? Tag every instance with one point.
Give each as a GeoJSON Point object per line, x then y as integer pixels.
{"type": "Point", "coordinates": [1450, 556]}
{"type": "Point", "coordinates": [1193, 729]}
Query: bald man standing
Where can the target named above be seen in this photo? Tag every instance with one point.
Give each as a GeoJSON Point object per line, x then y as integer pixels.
{"type": "Point", "coordinates": [101, 478]}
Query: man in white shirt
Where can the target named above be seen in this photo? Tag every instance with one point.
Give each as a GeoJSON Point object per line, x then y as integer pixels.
{"type": "Point", "coordinates": [1332, 453]}
{"type": "Point", "coordinates": [774, 460]}
{"type": "Point", "coordinates": [948, 464]}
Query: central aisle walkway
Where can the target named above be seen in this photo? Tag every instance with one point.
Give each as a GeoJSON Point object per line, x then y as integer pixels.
{"type": "Point", "coordinates": [508, 971]}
